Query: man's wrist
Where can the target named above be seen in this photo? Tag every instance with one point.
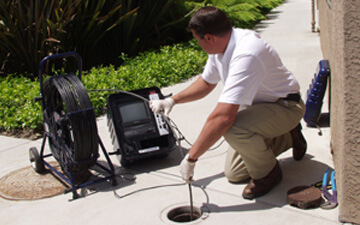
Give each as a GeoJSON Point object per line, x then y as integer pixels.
{"type": "Point", "coordinates": [171, 101]}
{"type": "Point", "coordinates": [189, 159]}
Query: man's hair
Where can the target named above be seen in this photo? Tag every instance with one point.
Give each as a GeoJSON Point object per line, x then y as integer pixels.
{"type": "Point", "coordinates": [209, 20]}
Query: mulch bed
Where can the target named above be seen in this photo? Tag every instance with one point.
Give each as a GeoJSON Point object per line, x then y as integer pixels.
{"type": "Point", "coordinates": [24, 134]}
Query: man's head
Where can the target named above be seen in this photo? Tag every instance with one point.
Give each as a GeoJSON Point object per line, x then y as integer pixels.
{"type": "Point", "coordinates": [211, 28]}
{"type": "Point", "coordinates": [209, 20]}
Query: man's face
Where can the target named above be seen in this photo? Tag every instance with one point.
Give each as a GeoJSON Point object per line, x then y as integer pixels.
{"type": "Point", "coordinates": [206, 44]}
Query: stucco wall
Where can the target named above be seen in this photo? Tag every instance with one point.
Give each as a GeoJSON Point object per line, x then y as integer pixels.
{"type": "Point", "coordinates": [339, 22]}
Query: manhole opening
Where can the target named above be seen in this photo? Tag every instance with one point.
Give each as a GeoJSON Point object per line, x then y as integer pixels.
{"type": "Point", "coordinates": [183, 214]}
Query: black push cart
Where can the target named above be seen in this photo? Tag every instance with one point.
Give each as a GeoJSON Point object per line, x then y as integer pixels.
{"type": "Point", "coordinates": [69, 128]}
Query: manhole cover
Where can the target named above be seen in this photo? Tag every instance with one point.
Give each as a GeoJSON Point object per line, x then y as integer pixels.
{"type": "Point", "coordinates": [26, 184]}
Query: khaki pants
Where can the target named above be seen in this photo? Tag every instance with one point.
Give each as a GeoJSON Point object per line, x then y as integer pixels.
{"type": "Point", "coordinates": [259, 134]}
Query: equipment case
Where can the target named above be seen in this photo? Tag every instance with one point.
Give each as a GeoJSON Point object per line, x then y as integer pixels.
{"type": "Point", "coordinates": [315, 94]}
{"type": "Point", "coordinates": [137, 132]}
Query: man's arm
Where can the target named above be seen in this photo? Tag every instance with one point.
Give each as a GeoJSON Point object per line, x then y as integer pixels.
{"type": "Point", "coordinates": [217, 124]}
{"type": "Point", "coordinates": [197, 90]}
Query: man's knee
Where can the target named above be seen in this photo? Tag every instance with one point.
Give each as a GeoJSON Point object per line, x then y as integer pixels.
{"type": "Point", "coordinates": [236, 177]}
{"type": "Point", "coordinates": [236, 173]}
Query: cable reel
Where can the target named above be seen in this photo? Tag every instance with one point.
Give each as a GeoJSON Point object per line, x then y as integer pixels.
{"type": "Point", "coordinates": [69, 119]}
{"type": "Point", "coordinates": [70, 128]}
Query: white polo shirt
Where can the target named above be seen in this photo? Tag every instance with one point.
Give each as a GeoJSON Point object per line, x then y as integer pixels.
{"type": "Point", "coordinates": [251, 71]}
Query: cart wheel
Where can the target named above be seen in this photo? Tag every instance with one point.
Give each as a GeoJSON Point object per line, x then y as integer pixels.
{"type": "Point", "coordinates": [36, 161]}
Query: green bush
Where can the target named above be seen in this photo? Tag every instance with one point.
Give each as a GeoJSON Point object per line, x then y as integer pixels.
{"type": "Point", "coordinates": [156, 23]}
{"type": "Point", "coordinates": [98, 30]}
{"type": "Point", "coordinates": [31, 30]}
{"type": "Point", "coordinates": [164, 67]}
{"type": "Point", "coordinates": [18, 110]}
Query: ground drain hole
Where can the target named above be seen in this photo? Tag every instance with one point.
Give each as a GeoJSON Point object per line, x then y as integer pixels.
{"type": "Point", "coordinates": [182, 214]}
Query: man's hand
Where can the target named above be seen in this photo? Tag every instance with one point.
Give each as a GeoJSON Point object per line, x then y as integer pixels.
{"type": "Point", "coordinates": [164, 105]}
{"type": "Point", "coordinates": [187, 169]}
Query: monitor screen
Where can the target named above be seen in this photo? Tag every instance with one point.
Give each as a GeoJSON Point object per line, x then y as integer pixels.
{"type": "Point", "coordinates": [133, 111]}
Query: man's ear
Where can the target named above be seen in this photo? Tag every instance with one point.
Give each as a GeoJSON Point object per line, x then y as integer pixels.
{"type": "Point", "coordinates": [209, 38]}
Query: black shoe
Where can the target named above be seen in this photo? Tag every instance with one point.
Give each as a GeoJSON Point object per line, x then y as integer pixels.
{"type": "Point", "coordinates": [299, 143]}
{"type": "Point", "coordinates": [256, 188]}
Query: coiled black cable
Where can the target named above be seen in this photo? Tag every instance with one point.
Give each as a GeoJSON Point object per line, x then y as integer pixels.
{"type": "Point", "coordinates": [71, 123]}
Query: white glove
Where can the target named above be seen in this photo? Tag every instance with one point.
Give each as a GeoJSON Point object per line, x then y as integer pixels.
{"type": "Point", "coordinates": [164, 105]}
{"type": "Point", "coordinates": [187, 169]}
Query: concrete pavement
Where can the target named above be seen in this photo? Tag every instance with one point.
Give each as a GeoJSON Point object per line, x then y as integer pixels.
{"type": "Point", "coordinates": [158, 187]}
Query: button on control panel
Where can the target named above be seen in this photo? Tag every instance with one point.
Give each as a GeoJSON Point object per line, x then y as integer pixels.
{"type": "Point", "coordinates": [160, 121]}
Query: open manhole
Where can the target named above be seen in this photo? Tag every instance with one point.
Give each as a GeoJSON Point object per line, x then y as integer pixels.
{"type": "Point", "coordinates": [183, 214]}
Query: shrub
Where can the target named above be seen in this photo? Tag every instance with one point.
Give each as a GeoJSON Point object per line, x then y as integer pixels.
{"type": "Point", "coordinates": [156, 23]}
{"type": "Point", "coordinates": [98, 30]}
{"type": "Point", "coordinates": [18, 109]}
{"type": "Point", "coordinates": [31, 30]}
{"type": "Point", "coordinates": [164, 67]}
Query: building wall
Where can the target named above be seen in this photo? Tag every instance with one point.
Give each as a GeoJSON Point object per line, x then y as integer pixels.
{"type": "Point", "coordinates": [339, 22]}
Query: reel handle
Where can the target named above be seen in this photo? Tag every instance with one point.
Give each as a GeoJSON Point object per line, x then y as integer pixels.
{"type": "Point", "coordinates": [57, 56]}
